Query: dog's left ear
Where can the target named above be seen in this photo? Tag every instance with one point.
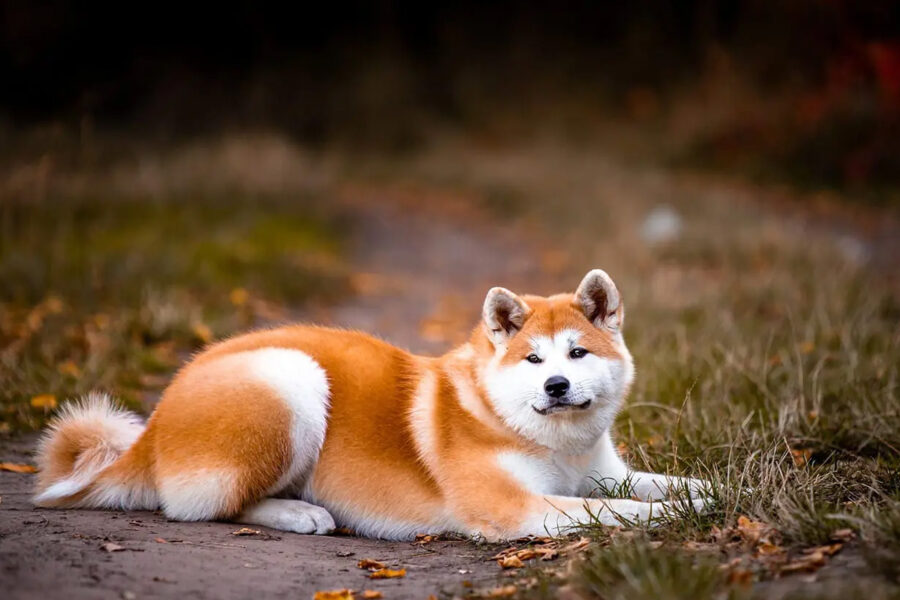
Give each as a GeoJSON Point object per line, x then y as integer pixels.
{"type": "Point", "coordinates": [599, 300]}
{"type": "Point", "coordinates": [504, 314]}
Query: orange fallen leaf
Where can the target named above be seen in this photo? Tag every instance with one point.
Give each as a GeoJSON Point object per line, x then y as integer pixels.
{"type": "Point", "coordinates": [387, 574]}
{"type": "Point", "coordinates": [805, 564]}
{"type": "Point", "coordinates": [160, 541]}
{"type": "Point", "coordinates": [17, 468]}
{"type": "Point", "coordinates": [500, 592]}
{"type": "Point", "coordinates": [577, 546]}
{"type": "Point", "coordinates": [368, 563]}
{"type": "Point", "coordinates": [801, 456]}
{"type": "Point", "coordinates": [202, 332]}
{"type": "Point", "coordinates": [45, 401]}
{"type": "Point", "coordinates": [769, 549]}
{"type": "Point", "coordinates": [827, 550]}
{"type": "Point", "coordinates": [238, 296]}
{"type": "Point", "coordinates": [503, 553]}
{"type": "Point", "coordinates": [246, 531]}
{"type": "Point", "coordinates": [510, 562]}
{"type": "Point", "coordinates": [740, 576]}
{"type": "Point", "coordinates": [372, 594]}
{"type": "Point", "coordinates": [333, 595]}
{"type": "Point", "coordinates": [547, 553]}
{"type": "Point", "coordinates": [752, 531]}
{"type": "Point", "coordinates": [69, 368]}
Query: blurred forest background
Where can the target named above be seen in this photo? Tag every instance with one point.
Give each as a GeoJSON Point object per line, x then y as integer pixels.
{"type": "Point", "coordinates": [805, 91]}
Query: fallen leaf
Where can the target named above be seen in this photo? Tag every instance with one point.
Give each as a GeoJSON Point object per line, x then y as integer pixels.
{"type": "Point", "coordinates": [801, 456]}
{"type": "Point", "coordinates": [827, 550]}
{"type": "Point", "coordinates": [160, 541]}
{"type": "Point", "coordinates": [372, 594]}
{"type": "Point", "coordinates": [752, 531]}
{"type": "Point", "coordinates": [576, 546]}
{"type": "Point", "coordinates": [202, 332]}
{"type": "Point", "coordinates": [53, 304]}
{"type": "Point", "coordinates": [17, 468]}
{"type": "Point", "coordinates": [333, 595]}
{"type": "Point", "coordinates": [769, 549]}
{"type": "Point", "coordinates": [503, 553]}
{"type": "Point", "coordinates": [246, 531]}
{"type": "Point", "coordinates": [344, 553]}
{"type": "Point", "coordinates": [547, 553]}
{"type": "Point", "coordinates": [500, 592]}
{"type": "Point", "coordinates": [69, 368]}
{"type": "Point", "coordinates": [510, 562]}
{"type": "Point", "coordinates": [238, 296]}
{"type": "Point", "coordinates": [368, 563]}
{"type": "Point", "coordinates": [110, 547]}
{"type": "Point", "coordinates": [806, 564]}
{"type": "Point", "coordinates": [45, 401]}
{"type": "Point", "coordinates": [526, 554]}
{"type": "Point", "coordinates": [387, 574]}
{"type": "Point", "coordinates": [740, 577]}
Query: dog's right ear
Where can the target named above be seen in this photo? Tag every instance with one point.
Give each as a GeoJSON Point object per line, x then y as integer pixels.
{"type": "Point", "coordinates": [504, 315]}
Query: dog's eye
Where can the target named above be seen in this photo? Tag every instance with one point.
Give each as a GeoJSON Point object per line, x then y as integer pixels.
{"type": "Point", "coordinates": [577, 352]}
{"type": "Point", "coordinates": [533, 359]}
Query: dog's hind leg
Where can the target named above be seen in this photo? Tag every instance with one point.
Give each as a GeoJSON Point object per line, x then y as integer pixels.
{"type": "Point", "coordinates": [288, 515]}
{"type": "Point", "coordinates": [235, 430]}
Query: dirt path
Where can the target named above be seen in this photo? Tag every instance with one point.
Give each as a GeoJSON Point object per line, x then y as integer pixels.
{"type": "Point", "coordinates": [406, 259]}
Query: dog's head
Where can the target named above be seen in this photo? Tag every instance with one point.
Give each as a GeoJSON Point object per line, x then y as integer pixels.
{"type": "Point", "coordinates": [556, 369]}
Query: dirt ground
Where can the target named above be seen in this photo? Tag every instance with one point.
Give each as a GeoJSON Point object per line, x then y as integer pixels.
{"type": "Point", "coordinates": [59, 553]}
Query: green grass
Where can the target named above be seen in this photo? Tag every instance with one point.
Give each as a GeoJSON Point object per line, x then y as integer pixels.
{"type": "Point", "coordinates": [113, 291]}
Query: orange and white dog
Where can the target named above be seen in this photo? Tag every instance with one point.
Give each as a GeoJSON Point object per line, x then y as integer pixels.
{"type": "Point", "coordinates": [304, 428]}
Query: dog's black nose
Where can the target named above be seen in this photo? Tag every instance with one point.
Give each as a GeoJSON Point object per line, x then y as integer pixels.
{"type": "Point", "coordinates": [556, 386]}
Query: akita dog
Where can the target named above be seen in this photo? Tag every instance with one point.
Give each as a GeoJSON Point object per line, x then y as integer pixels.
{"type": "Point", "coordinates": [303, 428]}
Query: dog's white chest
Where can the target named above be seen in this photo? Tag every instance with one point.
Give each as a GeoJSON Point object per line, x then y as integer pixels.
{"type": "Point", "coordinates": [559, 475]}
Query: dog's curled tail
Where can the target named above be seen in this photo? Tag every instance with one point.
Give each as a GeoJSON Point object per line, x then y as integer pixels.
{"type": "Point", "coordinates": [95, 454]}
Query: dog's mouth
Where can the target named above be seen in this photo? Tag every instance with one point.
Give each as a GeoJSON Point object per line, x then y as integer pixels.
{"type": "Point", "coordinates": [561, 405]}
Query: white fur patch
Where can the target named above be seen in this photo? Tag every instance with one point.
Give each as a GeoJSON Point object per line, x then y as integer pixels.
{"type": "Point", "coordinates": [559, 475]}
{"type": "Point", "coordinates": [303, 385]}
{"type": "Point", "coordinates": [421, 419]}
{"type": "Point", "coordinates": [517, 389]}
{"type": "Point", "coordinates": [370, 524]}
{"type": "Point", "coordinates": [200, 495]}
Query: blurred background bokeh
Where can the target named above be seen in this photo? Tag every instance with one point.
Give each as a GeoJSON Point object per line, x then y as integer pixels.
{"type": "Point", "coordinates": [804, 91]}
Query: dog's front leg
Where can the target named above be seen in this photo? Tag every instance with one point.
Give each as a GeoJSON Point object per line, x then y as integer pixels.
{"type": "Point", "coordinates": [609, 473]}
{"type": "Point", "coordinates": [558, 515]}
